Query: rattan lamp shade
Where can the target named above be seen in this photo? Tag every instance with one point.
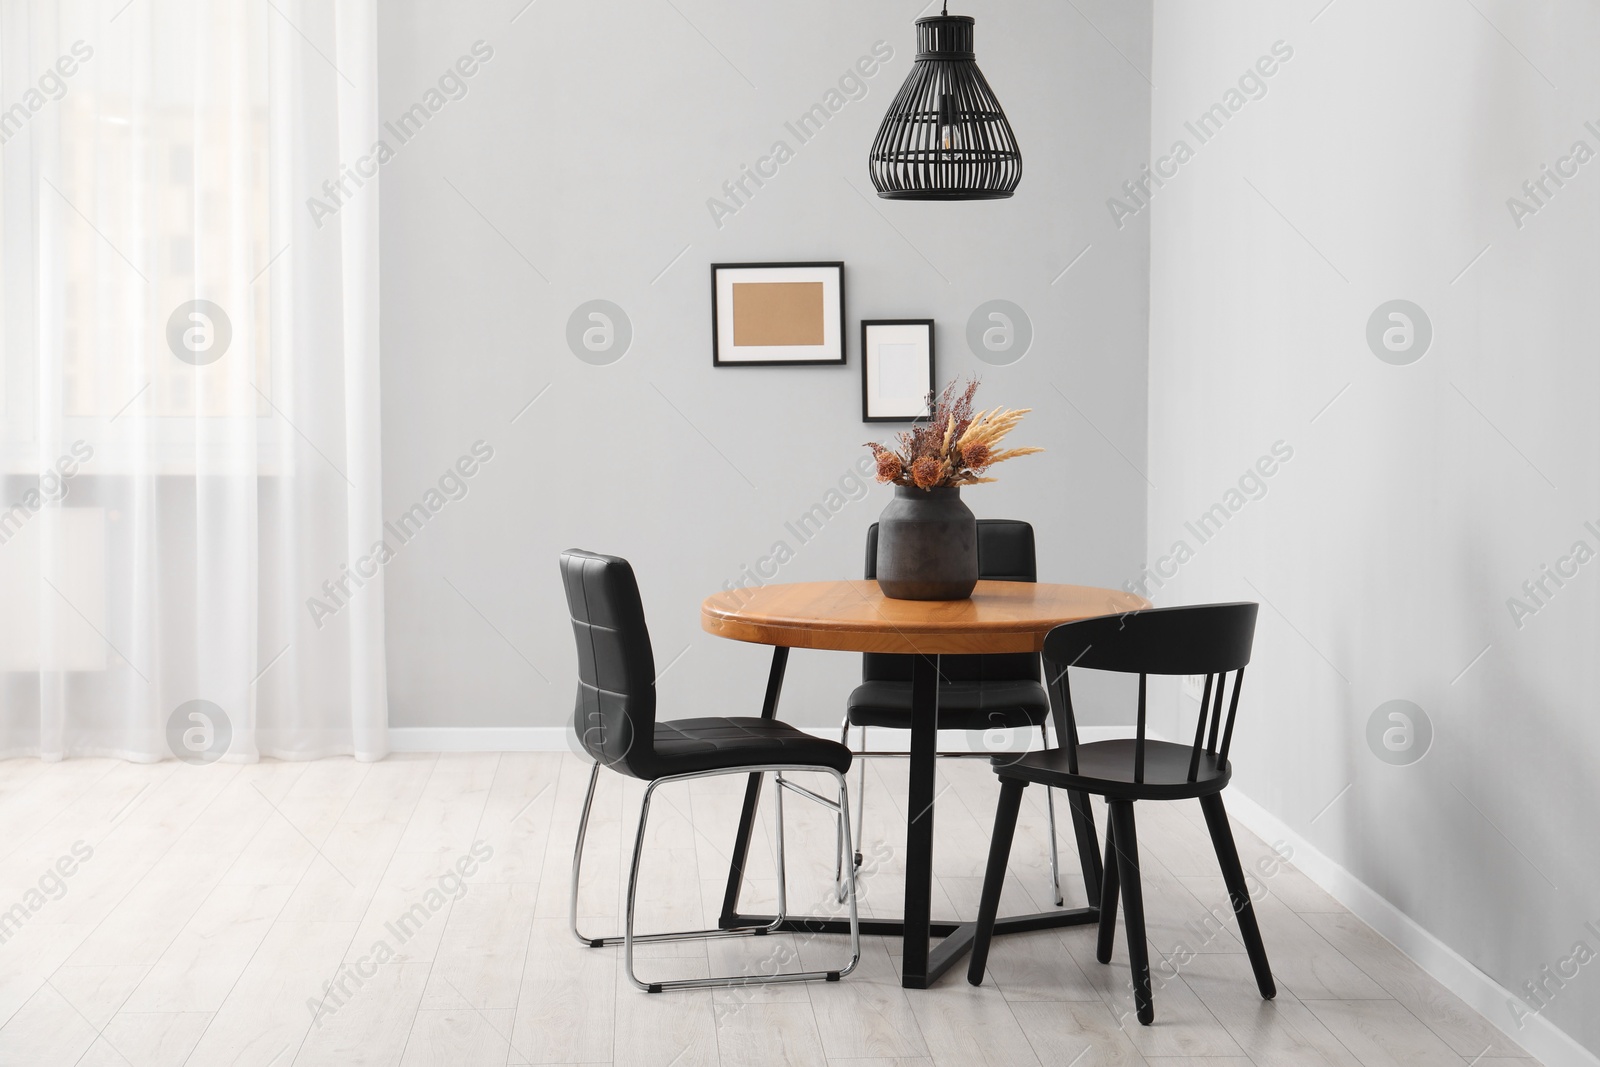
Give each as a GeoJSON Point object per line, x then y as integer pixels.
{"type": "Point", "coordinates": [945, 136]}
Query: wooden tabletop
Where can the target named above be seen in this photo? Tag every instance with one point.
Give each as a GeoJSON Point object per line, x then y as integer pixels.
{"type": "Point", "coordinates": [854, 616]}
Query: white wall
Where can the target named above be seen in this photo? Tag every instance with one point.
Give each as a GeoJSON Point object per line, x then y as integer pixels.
{"type": "Point", "coordinates": [587, 147]}
{"type": "Point", "coordinates": [1378, 166]}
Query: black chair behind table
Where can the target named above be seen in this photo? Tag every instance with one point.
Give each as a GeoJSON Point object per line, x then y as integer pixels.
{"type": "Point", "coordinates": [616, 724]}
{"type": "Point", "coordinates": [1211, 639]}
{"type": "Point", "coordinates": [977, 693]}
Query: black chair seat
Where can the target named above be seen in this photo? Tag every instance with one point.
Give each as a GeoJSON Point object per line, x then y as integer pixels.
{"type": "Point", "coordinates": [1106, 768]}
{"type": "Point", "coordinates": [685, 746]}
{"type": "Point", "coordinates": [974, 705]}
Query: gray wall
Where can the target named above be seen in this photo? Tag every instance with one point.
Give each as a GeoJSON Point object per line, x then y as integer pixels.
{"type": "Point", "coordinates": [577, 167]}
{"type": "Point", "coordinates": [1377, 167]}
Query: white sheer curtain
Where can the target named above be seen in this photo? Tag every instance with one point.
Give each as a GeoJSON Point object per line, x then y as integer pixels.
{"type": "Point", "coordinates": [189, 455]}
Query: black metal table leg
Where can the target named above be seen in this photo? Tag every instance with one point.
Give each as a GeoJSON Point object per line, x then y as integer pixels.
{"type": "Point", "coordinates": [752, 793]}
{"type": "Point", "coordinates": [922, 963]}
{"type": "Point", "coordinates": [915, 973]}
{"type": "Point", "coordinates": [957, 935]}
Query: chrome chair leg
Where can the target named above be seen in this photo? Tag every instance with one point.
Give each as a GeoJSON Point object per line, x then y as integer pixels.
{"type": "Point", "coordinates": [614, 939]}
{"type": "Point", "coordinates": [629, 938]}
{"type": "Point", "coordinates": [1055, 855]}
{"type": "Point", "coordinates": [839, 831]}
{"type": "Point", "coordinates": [1050, 805]}
{"type": "Point", "coordinates": [861, 811]}
{"type": "Point", "coordinates": [861, 799]}
{"type": "Point", "coordinates": [577, 858]}
{"type": "Point", "coordinates": [783, 872]}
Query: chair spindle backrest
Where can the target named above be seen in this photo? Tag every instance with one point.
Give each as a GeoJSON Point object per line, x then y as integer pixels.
{"type": "Point", "coordinates": [1212, 640]}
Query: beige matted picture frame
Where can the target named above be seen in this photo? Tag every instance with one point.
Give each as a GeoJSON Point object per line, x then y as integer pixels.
{"type": "Point", "coordinates": [777, 314]}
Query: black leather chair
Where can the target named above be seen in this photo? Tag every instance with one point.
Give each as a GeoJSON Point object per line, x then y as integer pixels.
{"type": "Point", "coordinates": [615, 721]}
{"type": "Point", "coordinates": [1210, 639]}
{"type": "Point", "coordinates": [976, 693]}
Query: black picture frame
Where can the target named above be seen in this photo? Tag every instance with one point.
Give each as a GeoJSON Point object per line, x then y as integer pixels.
{"type": "Point", "coordinates": [716, 328]}
{"type": "Point", "coordinates": [866, 367]}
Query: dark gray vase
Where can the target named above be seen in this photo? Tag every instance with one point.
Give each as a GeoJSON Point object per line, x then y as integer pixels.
{"type": "Point", "coordinates": [927, 546]}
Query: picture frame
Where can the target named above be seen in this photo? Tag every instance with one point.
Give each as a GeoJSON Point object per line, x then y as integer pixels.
{"type": "Point", "coordinates": [777, 314]}
{"type": "Point", "coordinates": [897, 369]}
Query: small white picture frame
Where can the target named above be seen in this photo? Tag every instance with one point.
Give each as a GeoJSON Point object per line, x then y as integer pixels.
{"type": "Point", "coordinates": [896, 369]}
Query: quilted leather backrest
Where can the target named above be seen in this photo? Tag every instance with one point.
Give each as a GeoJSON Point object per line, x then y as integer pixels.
{"type": "Point", "coordinates": [1005, 554]}
{"type": "Point", "coordinates": [615, 715]}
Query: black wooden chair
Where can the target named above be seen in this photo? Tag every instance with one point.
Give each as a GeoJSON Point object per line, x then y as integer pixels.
{"type": "Point", "coordinates": [616, 724]}
{"type": "Point", "coordinates": [976, 693]}
{"type": "Point", "coordinates": [1212, 640]}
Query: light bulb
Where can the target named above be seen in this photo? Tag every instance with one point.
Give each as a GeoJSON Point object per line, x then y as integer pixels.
{"type": "Point", "coordinates": [949, 115]}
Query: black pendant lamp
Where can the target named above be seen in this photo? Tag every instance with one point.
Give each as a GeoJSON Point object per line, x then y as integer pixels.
{"type": "Point", "coordinates": [945, 136]}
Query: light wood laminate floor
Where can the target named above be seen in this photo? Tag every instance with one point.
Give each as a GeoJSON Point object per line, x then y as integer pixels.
{"type": "Point", "coordinates": [414, 911]}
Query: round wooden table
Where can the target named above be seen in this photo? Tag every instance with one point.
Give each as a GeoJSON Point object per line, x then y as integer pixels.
{"type": "Point", "coordinates": [854, 616]}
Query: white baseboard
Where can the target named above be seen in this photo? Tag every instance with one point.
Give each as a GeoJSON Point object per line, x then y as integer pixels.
{"type": "Point", "coordinates": [560, 739]}
{"type": "Point", "coordinates": [1540, 1037]}
{"type": "Point", "coordinates": [480, 739]}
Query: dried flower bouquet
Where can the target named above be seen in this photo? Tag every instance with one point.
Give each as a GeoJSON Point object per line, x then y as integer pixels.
{"type": "Point", "coordinates": [953, 447]}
